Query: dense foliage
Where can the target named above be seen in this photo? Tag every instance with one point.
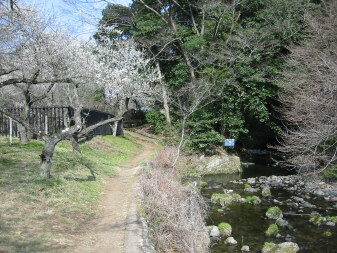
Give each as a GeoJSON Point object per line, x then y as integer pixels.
{"type": "Point", "coordinates": [236, 46]}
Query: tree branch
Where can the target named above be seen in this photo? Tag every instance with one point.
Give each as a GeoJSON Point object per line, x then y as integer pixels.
{"type": "Point", "coordinates": [44, 95]}
{"type": "Point", "coordinates": [162, 49]}
{"type": "Point", "coordinates": [13, 81]}
{"type": "Point", "coordinates": [6, 72]}
{"type": "Point", "coordinates": [15, 118]}
{"type": "Point", "coordinates": [155, 12]}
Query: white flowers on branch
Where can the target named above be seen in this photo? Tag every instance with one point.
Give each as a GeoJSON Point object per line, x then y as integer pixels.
{"type": "Point", "coordinates": [36, 57]}
{"type": "Point", "coordinates": [126, 72]}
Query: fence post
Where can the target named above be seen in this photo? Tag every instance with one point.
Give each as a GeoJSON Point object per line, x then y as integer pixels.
{"type": "Point", "coordinates": [10, 131]}
{"type": "Point", "coordinates": [46, 124]}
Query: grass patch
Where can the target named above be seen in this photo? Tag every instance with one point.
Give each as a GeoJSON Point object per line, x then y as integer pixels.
{"type": "Point", "coordinates": [29, 204]}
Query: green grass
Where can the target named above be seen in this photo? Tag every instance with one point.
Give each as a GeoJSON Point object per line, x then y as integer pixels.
{"type": "Point", "coordinates": [30, 203]}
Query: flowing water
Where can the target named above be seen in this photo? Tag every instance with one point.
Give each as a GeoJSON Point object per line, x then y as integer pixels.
{"type": "Point", "coordinates": [249, 222]}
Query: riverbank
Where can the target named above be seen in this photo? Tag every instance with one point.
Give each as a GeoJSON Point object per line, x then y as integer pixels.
{"type": "Point", "coordinates": [174, 212]}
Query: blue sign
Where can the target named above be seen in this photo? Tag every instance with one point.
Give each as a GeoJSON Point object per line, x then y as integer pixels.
{"type": "Point", "coordinates": [230, 142]}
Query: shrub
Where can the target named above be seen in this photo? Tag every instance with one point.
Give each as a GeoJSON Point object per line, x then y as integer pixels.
{"type": "Point", "coordinates": [225, 229]}
{"type": "Point", "coordinates": [175, 213]}
{"type": "Point", "coordinates": [272, 230]}
{"type": "Point", "coordinates": [205, 141]}
{"type": "Point", "coordinates": [202, 135]}
{"type": "Point", "coordinates": [156, 119]}
{"type": "Point", "coordinates": [330, 175]}
{"type": "Point", "coordinates": [274, 212]}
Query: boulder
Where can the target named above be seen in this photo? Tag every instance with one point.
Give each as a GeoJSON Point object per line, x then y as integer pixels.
{"type": "Point", "coordinates": [251, 180]}
{"type": "Point", "coordinates": [251, 190]}
{"type": "Point", "coordinates": [274, 213]}
{"type": "Point", "coordinates": [214, 231]}
{"type": "Point", "coordinates": [319, 193]}
{"type": "Point", "coordinates": [285, 247]}
{"type": "Point", "coordinates": [225, 229]}
{"type": "Point", "coordinates": [298, 199]}
{"type": "Point", "coordinates": [224, 164]}
{"type": "Point", "coordinates": [281, 222]}
{"type": "Point", "coordinates": [308, 205]}
{"type": "Point", "coordinates": [272, 230]}
{"type": "Point", "coordinates": [245, 248]}
{"type": "Point", "coordinates": [289, 238]}
{"type": "Point", "coordinates": [333, 199]}
{"type": "Point", "coordinates": [231, 241]}
{"type": "Point", "coordinates": [266, 192]}
{"type": "Point", "coordinates": [330, 223]}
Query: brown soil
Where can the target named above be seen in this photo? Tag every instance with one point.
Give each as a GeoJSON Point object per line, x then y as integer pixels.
{"type": "Point", "coordinates": [106, 231]}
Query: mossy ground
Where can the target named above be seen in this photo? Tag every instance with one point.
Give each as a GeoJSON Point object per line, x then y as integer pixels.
{"type": "Point", "coordinates": [37, 214]}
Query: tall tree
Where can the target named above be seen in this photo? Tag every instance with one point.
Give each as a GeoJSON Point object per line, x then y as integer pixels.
{"type": "Point", "coordinates": [233, 44]}
{"type": "Point", "coordinates": [309, 95]}
{"type": "Point", "coordinates": [126, 73]}
{"type": "Point", "coordinates": [35, 59]}
{"type": "Point", "coordinates": [29, 62]}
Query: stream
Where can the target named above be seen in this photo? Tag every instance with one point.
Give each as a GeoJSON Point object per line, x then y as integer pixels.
{"type": "Point", "coordinates": [249, 222]}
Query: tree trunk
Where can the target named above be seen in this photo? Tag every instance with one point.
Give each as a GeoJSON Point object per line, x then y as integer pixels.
{"type": "Point", "coordinates": [166, 107]}
{"type": "Point", "coordinates": [164, 93]}
{"type": "Point", "coordinates": [23, 133]}
{"type": "Point", "coordinates": [114, 129]}
{"type": "Point", "coordinates": [120, 127]}
{"type": "Point", "coordinates": [122, 109]}
{"type": "Point", "coordinates": [75, 144]}
{"type": "Point", "coordinates": [181, 142]}
{"type": "Point", "coordinates": [46, 156]}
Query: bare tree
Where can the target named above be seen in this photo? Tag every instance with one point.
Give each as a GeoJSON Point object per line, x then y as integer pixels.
{"type": "Point", "coordinates": [310, 96]}
{"type": "Point", "coordinates": [189, 99]}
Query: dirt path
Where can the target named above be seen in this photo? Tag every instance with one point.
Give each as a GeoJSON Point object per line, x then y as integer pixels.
{"type": "Point", "coordinates": [114, 220]}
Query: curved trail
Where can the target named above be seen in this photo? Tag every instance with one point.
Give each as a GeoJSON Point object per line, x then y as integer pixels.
{"type": "Point", "coordinates": [116, 227]}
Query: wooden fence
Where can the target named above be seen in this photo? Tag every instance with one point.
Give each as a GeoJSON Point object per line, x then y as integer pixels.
{"type": "Point", "coordinates": [44, 119]}
{"type": "Point", "coordinates": [53, 119]}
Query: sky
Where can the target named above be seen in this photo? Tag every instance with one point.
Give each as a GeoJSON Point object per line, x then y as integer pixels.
{"type": "Point", "coordinates": [80, 19]}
